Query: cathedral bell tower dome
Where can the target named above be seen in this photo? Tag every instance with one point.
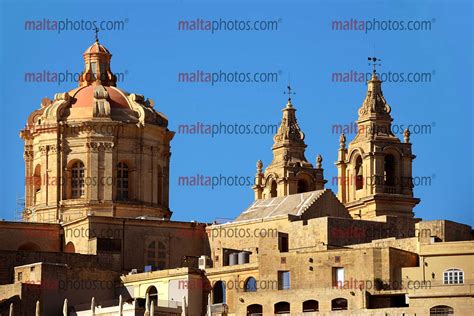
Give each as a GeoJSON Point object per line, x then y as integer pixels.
{"type": "Point", "coordinates": [289, 172]}
{"type": "Point", "coordinates": [375, 169]}
{"type": "Point", "coordinates": [96, 150]}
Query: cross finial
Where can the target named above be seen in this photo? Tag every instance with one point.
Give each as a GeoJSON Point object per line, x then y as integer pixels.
{"type": "Point", "coordinates": [96, 30]}
{"type": "Point", "coordinates": [289, 92]}
{"type": "Point", "coordinates": [374, 61]}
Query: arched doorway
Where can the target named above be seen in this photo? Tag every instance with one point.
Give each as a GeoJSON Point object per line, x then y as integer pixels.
{"type": "Point", "coordinates": [218, 293]}
{"type": "Point", "coordinates": [152, 293]}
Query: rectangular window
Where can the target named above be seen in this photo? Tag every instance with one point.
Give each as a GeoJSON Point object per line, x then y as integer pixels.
{"type": "Point", "coordinates": [20, 276]}
{"type": "Point", "coordinates": [338, 277]}
{"type": "Point", "coordinates": [283, 280]}
{"type": "Point", "coordinates": [283, 242]}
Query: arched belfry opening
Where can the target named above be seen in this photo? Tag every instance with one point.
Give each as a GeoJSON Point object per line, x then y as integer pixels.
{"type": "Point", "coordinates": [389, 170]}
{"type": "Point", "coordinates": [359, 174]}
{"type": "Point", "coordinates": [273, 189]}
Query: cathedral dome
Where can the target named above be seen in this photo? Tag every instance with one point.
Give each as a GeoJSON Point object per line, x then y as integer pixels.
{"type": "Point", "coordinates": [84, 97]}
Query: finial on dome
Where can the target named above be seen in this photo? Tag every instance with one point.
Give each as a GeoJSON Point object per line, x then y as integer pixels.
{"type": "Point", "coordinates": [406, 135]}
{"type": "Point", "coordinates": [319, 161]}
{"type": "Point", "coordinates": [342, 141]}
{"type": "Point", "coordinates": [259, 166]}
{"type": "Point", "coordinates": [96, 30]}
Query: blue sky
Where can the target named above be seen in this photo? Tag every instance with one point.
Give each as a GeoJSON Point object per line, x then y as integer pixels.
{"type": "Point", "coordinates": [150, 51]}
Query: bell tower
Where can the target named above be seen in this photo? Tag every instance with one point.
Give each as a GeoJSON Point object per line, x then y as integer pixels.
{"type": "Point", "coordinates": [375, 169]}
{"type": "Point", "coordinates": [289, 172]}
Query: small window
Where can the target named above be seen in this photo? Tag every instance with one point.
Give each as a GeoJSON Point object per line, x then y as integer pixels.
{"type": "Point", "coordinates": [251, 285]}
{"type": "Point", "coordinates": [453, 276]}
{"type": "Point", "coordinates": [441, 310]}
{"type": "Point", "coordinates": [338, 277]}
{"type": "Point", "coordinates": [20, 276]}
{"type": "Point", "coordinates": [310, 306]}
{"type": "Point", "coordinates": [122, 181]}
{"type": "Point", "coordinates": [283, 242]}
{"type": "Point", "coordinates": [339, 304]}
{"type": "Point", "coordinates": [156, 255]}
{"type": "Point", "coordinates": [94, 69]}
{"type": "Point", "coordinates": [255, 310]}
{"type": "Point", "coordinates": [283, 280]}
{"type": "Point", "coordinates": [281, 308]}
{"type": "Point", "coordinates": [77, 180]}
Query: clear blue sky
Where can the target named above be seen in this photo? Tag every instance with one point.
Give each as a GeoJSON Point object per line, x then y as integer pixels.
{"type": "Point", "coordinates": [150, 51]}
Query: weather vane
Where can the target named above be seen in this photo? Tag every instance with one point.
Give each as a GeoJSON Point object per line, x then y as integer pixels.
{"type": "Point", "coordinates": [374, 61]}
{"type": "Point", "coordinates": [289, 92]}
{"type": "Point", "coordinates": [96, 34]}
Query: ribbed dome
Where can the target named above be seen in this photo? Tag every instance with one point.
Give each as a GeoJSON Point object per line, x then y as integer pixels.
{"type": "Point", "coordinates": [84, 97]}
{"type": "Point", "coordinates": [96, 48]}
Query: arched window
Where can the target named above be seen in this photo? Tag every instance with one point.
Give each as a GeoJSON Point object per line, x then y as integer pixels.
{"type": "Point", "coordinates": [302, 186]}
{"type": "Point", "coordinates": [310, 306]}
{"type": "Point", "coordinates": [273, 189]}
{"type": "Point", "coordinates": [70, 248]}
{"type": "Point", "coordinates": [122, 181]}
{"type": "Point", "coordinates": [441, 310]}
{"type": "Point", "coordinates": [156, 255]}
{"type": "Point", "coordinates": [160, 186]}
{"type": "Point", "coordinates": [218, 293]}
{"type": "Point", "coordinates": [453, 276]}
{"type": "Point", "coordinates": [281, 308]}
{"type": "Point", "coordinates": [251, 285]}
{"type": "Point", "coordinates": [359, 174]}
{"type": "Point", "coordinates": [37, 178]}
{"type": "Point", "coordinates": [339, 304]}
{"type": "Point", "coordinates": [152, 293]}
{"type": "Point", "coordinates": [255, 310]}
{"type": "Point", "coordinates": [389, 170]}
{"type": "Point", "coordinates": [77, 180]}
